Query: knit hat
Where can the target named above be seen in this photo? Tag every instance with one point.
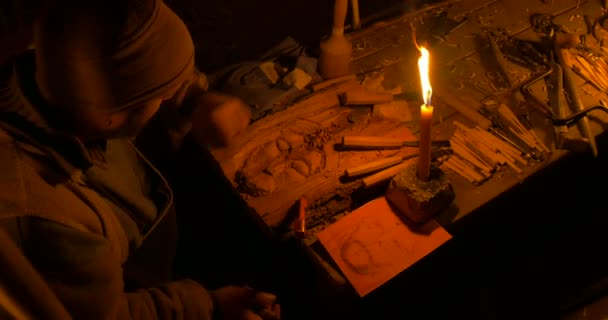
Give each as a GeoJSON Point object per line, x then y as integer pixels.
{"type": "Point", "coordinates": [110, 54]}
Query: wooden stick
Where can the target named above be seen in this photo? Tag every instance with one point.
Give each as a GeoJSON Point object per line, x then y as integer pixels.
{"type": "Point", "coordinates": [512, 164]}
{"type": "Point", "coordinates": [500, 142]}
{"type": "Point", "coordinates": [598, 73]}
{"type": "Point", "coordinates": [462, 165]}
{"type": "Point", "coordinates": [369, 142]}
{"type": "Point", "coordinates": [465, 154]}
{"type": "Point", "coordinates": [479, 146]}
{"type": "Point", "coordinates": [589, 77]}
{"type": "Point", "coordinates": [466, 110]}
{"type": "Point", "coordinates": [384, 175]}
{"type": "Point", "coordinates": [492, 146]}
{"type": "Point", "coordinates": [516, 126]}
{"type": "Point", "coordinates": [470, 156]}
{"type": "Point", "coordinates": [373, 166]}
{"type": "Point", "coordinates": [481, 155]}
{"type": "Point", "coordinates": [540, 144]}
{"type": "Point", "coordinates": [362, 96]}
{"type": "Point", "coordinates": [331, 82]}
{"type": "Point", "coordinates": [459, 171]}
{"type": "Point", "coordinates": [480, 176]}
{"type": "Point", "coordinates": [462, 172]}
{"type": "Point", "coordinates": [503, 146]}
{"type": "Point", "coordinates": [488, 148]}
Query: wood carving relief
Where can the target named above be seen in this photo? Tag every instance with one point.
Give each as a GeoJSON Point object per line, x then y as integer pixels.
{"type": "Point", "coordinates": [294, 153]}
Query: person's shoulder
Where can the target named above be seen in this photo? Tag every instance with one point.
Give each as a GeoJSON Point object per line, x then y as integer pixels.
{"type": "Point", "coordinates": [12, 190]}
{"type": "Point", "coordinates": [32, 185]}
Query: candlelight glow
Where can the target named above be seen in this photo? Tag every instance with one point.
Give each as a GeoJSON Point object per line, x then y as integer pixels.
{"type": "Point", "coordinates": [423, 67]}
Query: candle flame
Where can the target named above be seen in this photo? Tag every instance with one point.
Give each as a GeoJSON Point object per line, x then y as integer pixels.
{"type": "Point", "coordinates": [423, 68]}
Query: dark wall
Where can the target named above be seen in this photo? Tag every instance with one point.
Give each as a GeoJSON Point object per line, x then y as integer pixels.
{"type": "Point", "coordinates": [226, 31]}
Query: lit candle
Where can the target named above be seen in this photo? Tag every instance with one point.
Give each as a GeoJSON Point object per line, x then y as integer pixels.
{"type": "Point", "coordinates": [426, 117]}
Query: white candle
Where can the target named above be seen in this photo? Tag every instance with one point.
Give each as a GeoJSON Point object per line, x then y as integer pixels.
{"type": "Point", "coordinates": [426, 117]}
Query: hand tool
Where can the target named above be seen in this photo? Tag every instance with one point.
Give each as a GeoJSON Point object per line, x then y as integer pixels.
{"type": "Point", "coordinates": [301, 222]}
{"type": "Point", "coordinates": [564, 140]}
{"type": "Point", "coordinates": [544, 23]}
{"type": "Point", "coordinates": [336, 51]}
{"type": "Point", "coordinates": [377, 165]}
{"type": "Point", "coordinates": [524, 53]}
{"type": "Point", "coordinates": [384, 175]}
{"type": "Point", "coordinates": [577, 104]}
{"type": "Point", "coordinates": [547, 111]}
{"type": "Point", "coordinates": [500, 61]}
{"type": "Point", "coordinates": [373, 143]}
{"type": "Point", "coordinates": [555, 100]}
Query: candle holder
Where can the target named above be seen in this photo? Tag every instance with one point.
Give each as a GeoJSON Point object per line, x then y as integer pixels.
{"type": "Point", "coordinates": [420, 200]}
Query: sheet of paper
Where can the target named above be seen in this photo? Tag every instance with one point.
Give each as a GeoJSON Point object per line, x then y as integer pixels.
{"type": "Point", "coordinates": [371, 245]}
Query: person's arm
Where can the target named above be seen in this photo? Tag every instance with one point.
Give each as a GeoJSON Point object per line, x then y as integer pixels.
{"type": "Point", "coordinates": [212, 119]}
{"type": "Point", "coordinates": [85, 273]}
{"type": "Point", "coordinates": [23, 292]}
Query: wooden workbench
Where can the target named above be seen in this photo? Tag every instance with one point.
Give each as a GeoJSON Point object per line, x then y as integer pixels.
{"type": "Point", "coordinates": [292, 153]}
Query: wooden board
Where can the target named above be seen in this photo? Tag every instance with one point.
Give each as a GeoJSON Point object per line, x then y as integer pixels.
{"type": "Point", "coordinates": [293, 154]}
{"type": "Point", "coordinates": [372, 245]}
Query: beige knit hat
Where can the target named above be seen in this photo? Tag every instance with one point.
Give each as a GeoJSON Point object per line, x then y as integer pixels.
{"type": "Point", "coordinates": [110, 54]}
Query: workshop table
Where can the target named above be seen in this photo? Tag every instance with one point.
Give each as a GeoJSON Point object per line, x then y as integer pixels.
{"type": "Point", "coordinates": [387, 48]}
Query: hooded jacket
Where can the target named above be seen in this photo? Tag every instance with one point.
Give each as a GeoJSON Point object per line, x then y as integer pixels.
{"type": "Point", "coordinates": [78, 211]}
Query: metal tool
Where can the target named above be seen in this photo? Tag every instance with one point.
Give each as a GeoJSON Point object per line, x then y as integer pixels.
{"type": "Point", "coordinates": [500, 60]}
{"type": "Point", "coordinates": [546, 110]}
{"type": "Point", "coordinates": [544, 23]}
{"type": "Point", "coordinates": [555, 99]}
{"type": "Point", "coordinates": [564, 140]}
{"type": "Point", "coordinates": [577, 103]}
{"type": "Point", "coordinates": [500, 129]}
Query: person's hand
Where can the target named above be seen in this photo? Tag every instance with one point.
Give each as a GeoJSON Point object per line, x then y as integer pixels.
{"type": "Point", "coordinates": [244, 303]}
{"type": "Point", "coordinates": [218, 119]}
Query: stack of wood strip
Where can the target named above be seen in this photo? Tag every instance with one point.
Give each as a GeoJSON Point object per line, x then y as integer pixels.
{"type": "Point", "coordinates": [593, 69]}
{"type": "Point", "coordinates": [478, 154]}
{"type": "Point", "coordinates": [528, 136]}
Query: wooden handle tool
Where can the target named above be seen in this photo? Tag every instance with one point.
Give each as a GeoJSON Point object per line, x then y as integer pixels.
{"type": "Point", "coordinates": [563, 57]}
{"type": "Point", "coordinates": [368, 142]}
{"type": "Point", "coordinates": [336, 51]}
{"type": "Point", "coordinates": [373, 143]}
{"type": "Point", "coordinates": [384, 175]}
{"type": "Point", "coordinates": [376, 165]}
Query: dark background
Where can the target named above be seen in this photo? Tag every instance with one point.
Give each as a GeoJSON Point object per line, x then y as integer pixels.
{"type": "Point", "coordinates": [534, 253]}
{"type": "Point", "coordinates": [227, 31]}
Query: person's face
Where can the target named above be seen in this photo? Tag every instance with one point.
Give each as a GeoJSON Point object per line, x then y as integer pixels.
{"type": "Point", "coordinates": [97, 123]}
